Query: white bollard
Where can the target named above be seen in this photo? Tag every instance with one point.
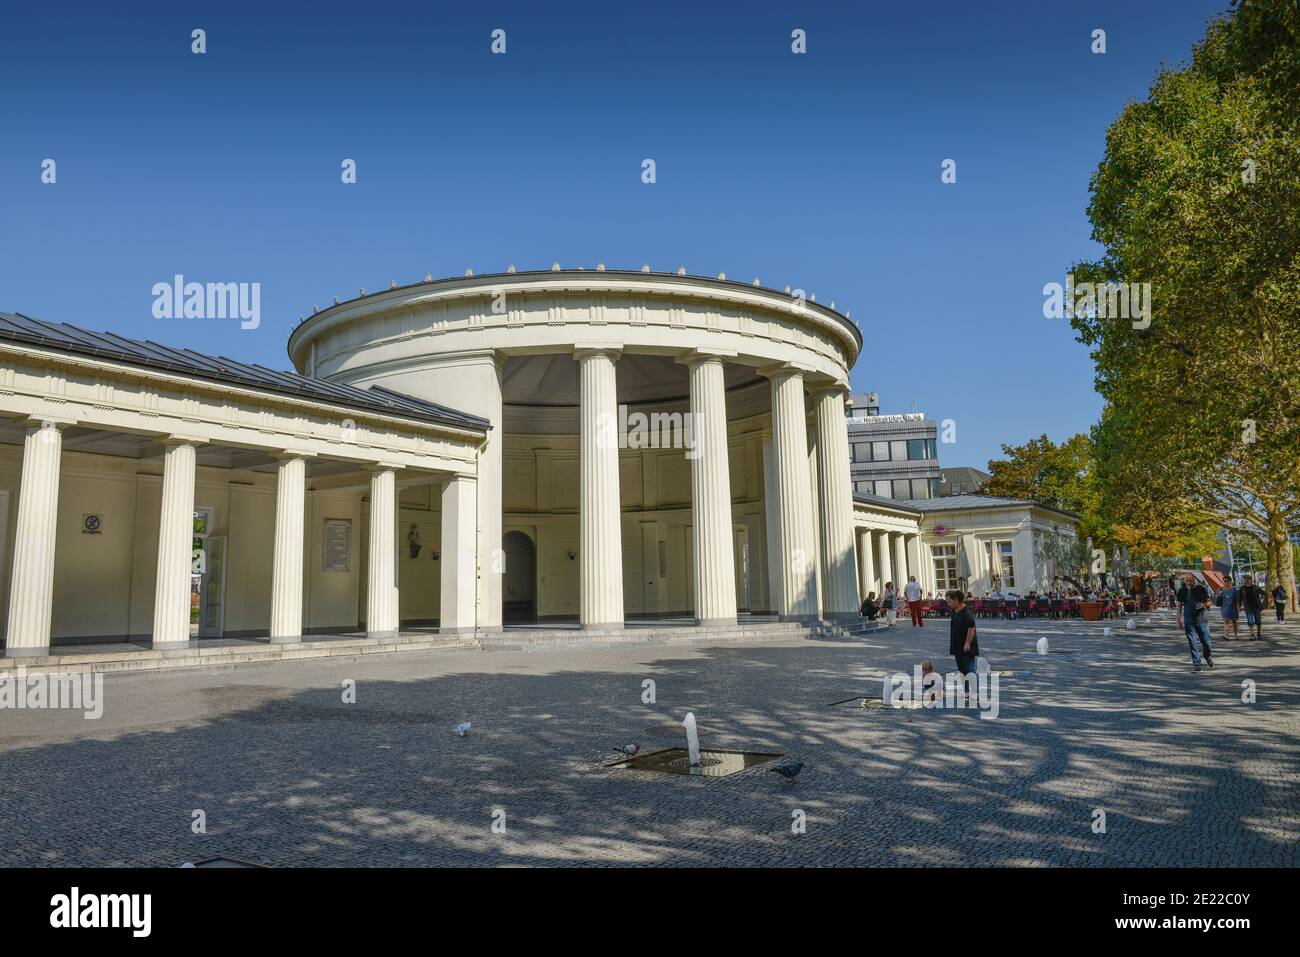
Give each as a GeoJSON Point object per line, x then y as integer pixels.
{"type": "Point", "coordinates": [1042, 646]}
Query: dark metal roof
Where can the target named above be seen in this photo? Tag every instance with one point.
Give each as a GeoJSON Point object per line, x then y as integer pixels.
{"type": "Point", "coordinates": [879, 501]}
{"type": "Point", "coordinates": [15, 327]}
{"type": "Point", "coordinates": [953, 503]}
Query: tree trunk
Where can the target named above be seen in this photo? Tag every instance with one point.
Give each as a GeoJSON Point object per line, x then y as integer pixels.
{"type": "Point", "coordinates": [1281, 559]}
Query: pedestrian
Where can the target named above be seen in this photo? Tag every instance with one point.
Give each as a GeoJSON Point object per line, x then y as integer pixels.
{"type": "Point", "coordinates": [1194, 599]}
{"type": "Point", "coordinates": [1228, 601]}
{"type": "Point", "coordinates": [1279, 603]}
{"type": "Point", "coordinates": [869, 608]}
{"type": "Point", "coordinates": [913, 592]}
{"type": "Point", "coordinates": [962, 642]}
{"type": "Point", "coordinates": [1253, 600]}
{"type": "Point", "coordinates": [888, 602]}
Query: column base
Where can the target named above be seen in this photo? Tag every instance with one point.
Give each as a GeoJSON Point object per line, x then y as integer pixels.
{"type": "Point", "coordinates": [170, 645]}
{"type": "Point", "coordinates": [286, 639]}
{"type": "Point", "coordinates": [382, 634]}
{"type": "Point", "coordinates": [715, 622]}
{"type": "Point", "coordinates": [801, 619]}
{"type": "Point", "coordinates": [603, 626]}
{"type": "Point", "coordinates": [468, 630]}
{"type": "Point", "coordinates": [28, 651]}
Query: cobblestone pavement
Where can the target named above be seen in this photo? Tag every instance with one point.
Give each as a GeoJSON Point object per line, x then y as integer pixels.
{"type": "Point", "coordinates": [287, 774]}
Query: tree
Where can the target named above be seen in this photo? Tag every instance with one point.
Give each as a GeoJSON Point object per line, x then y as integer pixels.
{"type": "Point", "coordinates": [1198, 195]}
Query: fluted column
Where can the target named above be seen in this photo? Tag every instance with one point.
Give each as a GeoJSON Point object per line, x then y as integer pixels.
{"type": "Point", "coordinates": [886, 562]}
{"type": "Point", "coordinates": [900, 560]}
{"type": "Point", "coordinates": [600, 551]}
{"type": "Point", "coordinates": [31, 592]}
{"type": "Point", "coordinates": [914, 560]}
{"type": "Point", "coordinates": [171, 601]}
{"type": "Point", "coordinates": [286, 574]}
{"type": "Point", "coordinates": [866, 562]}
{"type": "Point", "coordinates": [381, 595]}
{"type": "Point", "coordinates": [715, 568]}
{"type": "Point", "coordinates": [835, 499]}
{"type": "Point", "coordinates": [794, 495]}
{"type": "Point", "coordinates": [456, 611]}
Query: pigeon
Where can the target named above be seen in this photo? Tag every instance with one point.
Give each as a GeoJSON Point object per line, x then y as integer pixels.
{"type": "Point", "coordinates": [629, 750]}
{"type": "Point", "coordinates": [1042, 646]}
{"type": "Point", "coordinates": [462, 729]}
{"type": "Point", "coordinates": [787, 769]}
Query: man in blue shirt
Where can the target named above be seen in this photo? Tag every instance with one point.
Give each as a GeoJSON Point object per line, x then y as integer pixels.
{"type": "Point", "coordinates": [1193, 600]}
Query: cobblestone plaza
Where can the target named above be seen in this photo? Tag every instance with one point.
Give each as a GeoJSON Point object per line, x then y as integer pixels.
{"type": "Point", "coordinates": [288, 774]}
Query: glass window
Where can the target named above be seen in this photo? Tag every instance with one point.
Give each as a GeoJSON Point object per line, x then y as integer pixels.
{"type": "Point", "coordinates": [920, 488]}
{"type": "Point", "coordinates": [884, 489]}
{"type": "Point", "coordinates": [880, 451]}
{"type": "Point", "coordinates": [862, 451]}
{"type": "Point", "coordinates": [898, 450]}
{"type": "Point", "coordinates": [863, 487]}
{"type": "Point", "coordinates": [934, 488]}
{"type": "Point", "coordinates": [1008, 564]}
{"type": "Point", "coordinates": [945, 567]}
{"type": "Point", "coordinates": [929, 444]}
{"type": "Point", "coordinates": [920, 449]}
{"type": "Point", "coordinates": [902, 488]}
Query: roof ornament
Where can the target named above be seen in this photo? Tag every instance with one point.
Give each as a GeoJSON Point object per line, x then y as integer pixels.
{"type": "Point", "coordinates": [469, 272]}
{"type": "Point", "coordinates": [681, 270]}
{"type": "Point", "coordinates": [722, 275]}
{"type": "Point", "coordinates": [336, 300]}
{"type": "Point", "coordinates": [510, 268]}
{"type": "Point", "coordinates": [392, 284]}
{"type": "Point", "coordinates": [756, 282]}
{"type": "Point", "coordinates": [813, 297]}
{"type": "Point", "coordinates": [555, 267]}
{"type": "Point", "coordinates": [363, 290]}
{"type": "Point", "coordinates": [600, 267]}
{"type": "Point", "coordinates": [787, 290]}
{"type": "Point", "coordinates": [314, 310]}
{"type": "Point", "coordinates": [428, 277]}
{"type": "Point", "coordinates": [645, 267]}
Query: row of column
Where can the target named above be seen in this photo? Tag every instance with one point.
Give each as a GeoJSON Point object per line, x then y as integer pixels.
{"type": "Point", "coordinates": [800, 544]}
{"type": "Point", "coordinates": [905, 559]}
{"type": "Point", "coordinates": [32, 586]}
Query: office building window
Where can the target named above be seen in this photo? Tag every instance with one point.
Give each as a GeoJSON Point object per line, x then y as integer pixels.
{"type": "Point", "coordinates": [884, 489]}
{"type": "Point", "coordinates": [920, 449]}
{"type": "Point", "coordinates": [862, 451]}
{"type": "Point", "coordinates": [880, 451]}
{"type": "Point", "coordinates": [934, 488]}
{"type": "Point", "coordinates": [902, 488]}
{"type": "Point", "coordinates": [898, 450]}
{"type": "Point", "coordinates": [921, 488]}
{"type": "Point", "coordinates": [945, 567]}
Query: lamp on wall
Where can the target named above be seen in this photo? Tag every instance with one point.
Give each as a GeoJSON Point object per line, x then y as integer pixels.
{"type": "Point", "coordinates": [436, 554]}
{"type": "Point", "coordinates": [573, 553]}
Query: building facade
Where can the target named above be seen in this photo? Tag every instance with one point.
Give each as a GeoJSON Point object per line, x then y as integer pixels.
{"type": "Point", "coordinates": [586, 446]}
{"type": "Point", "coordinates": [892, 456]}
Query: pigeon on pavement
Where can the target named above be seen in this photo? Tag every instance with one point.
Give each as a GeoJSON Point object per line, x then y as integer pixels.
{"type": "Point", "coordinates": [787, 769]}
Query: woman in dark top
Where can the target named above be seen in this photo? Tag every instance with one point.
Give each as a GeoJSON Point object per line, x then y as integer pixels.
{"type": "Point", "coordinates": [962, 642]}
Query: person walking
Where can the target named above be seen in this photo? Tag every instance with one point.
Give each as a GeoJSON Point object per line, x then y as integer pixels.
{"type": "Point", "coordinates": [912, 590]}
{"type": "Point", "coordinates": [1228, 601]}
{"type": "Point", "coordinates": [889, 602]}
{"type": "Point", "coordinates": [1194, 599]}
{"type": "Point", "coordinates": [963, 643]}
{"type": "Point", "coordinates": [1253, 600]}
{"type": "Point", "coordinates": [1279, 603]}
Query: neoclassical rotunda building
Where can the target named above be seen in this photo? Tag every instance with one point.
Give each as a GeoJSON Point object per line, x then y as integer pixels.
{"type": "Point", "coordinates": [657, 444]}
{"type": "Point", "coordinates": [571, 446]}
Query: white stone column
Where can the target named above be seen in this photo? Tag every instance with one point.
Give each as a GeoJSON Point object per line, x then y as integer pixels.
{"type": "Point", "coordinates": [900, 561]}
{"type": "Point", "coordinates": [600, 550]}
{"type": "Point", "coordinates": [886, 562]}
{"type": "Point", "coordinates": [456, 612]}
{"type": "Point", "coordinates": [914, 560]}
{"type": "Point", "coordinates": [794, 496]}
{"type": "Point", "coordinates": [286, 574]}
{"type": "Point", "coordinates": [381, 594]}
{"type": "Point", "coordinates": [835, 500]}
{"type": "Point", "coordinates": [867, 563]}
{"type": "Point", "coordinates": [171, 601]}
{"type": "Point", "coordinates": [772, 526]}
{"type": "Point", "coordinates": [715, 570]}
{"type": "Point", "coordinates": [31, 592]}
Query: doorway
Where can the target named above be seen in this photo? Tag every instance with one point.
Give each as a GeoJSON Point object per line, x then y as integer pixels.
{"type": "Point", "coordinates": [519, 603]}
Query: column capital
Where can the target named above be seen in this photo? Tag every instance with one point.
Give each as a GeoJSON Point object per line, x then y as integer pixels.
{"type": "Point", "coordinates": [379, 465]}
{"type": "Point", "coordinates": [693, 356]}
{"type": "Point", "coordinates": [614, 350]}
{"type": "Point", "coordinates": [58, 422]}
{"type": "Point", "coordinates": [284, 455]}
{"type": "Point", "coordinates": [169, 439]}
{"type": "Point", "coordinates": [782, 369]}
{"type": "Point", "coordinates": [838, 387]}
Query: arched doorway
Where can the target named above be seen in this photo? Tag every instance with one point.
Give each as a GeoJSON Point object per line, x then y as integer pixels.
{"type": "Point", "coordinates": [519, 603]}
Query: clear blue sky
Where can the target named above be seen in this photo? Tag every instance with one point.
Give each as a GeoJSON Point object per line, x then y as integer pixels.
{"type": "Point", "coordinates": [820, 171]}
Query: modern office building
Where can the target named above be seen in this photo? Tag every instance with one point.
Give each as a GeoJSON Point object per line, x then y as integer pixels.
{"type": "Point", "coordinates": [891, 456]}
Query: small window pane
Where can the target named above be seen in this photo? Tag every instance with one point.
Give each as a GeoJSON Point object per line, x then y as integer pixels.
{"type": "Point", "coordinates": [898, 450]}
{"type": "Point", "coordinates": [884, 490]}
{"type": "Point", "coordinates": [880, 451]}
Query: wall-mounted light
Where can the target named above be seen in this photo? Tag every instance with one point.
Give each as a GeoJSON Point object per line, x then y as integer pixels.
{"type": "Point", "coordinates": [573, 553]}
{"type": "Point", "coordinates": [436, 554]}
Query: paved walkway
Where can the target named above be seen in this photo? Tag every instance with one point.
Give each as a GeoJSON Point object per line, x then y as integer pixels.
{"type": "Point", "coordinates": [286, 773]}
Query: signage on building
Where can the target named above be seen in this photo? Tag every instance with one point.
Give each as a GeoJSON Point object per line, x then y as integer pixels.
{"type": "Point", "coordinates": [92, 524]}
{"type": "Point", "coordinates": [941, 530]}
{"type": "Point", "coordinates": [904, 417]}
{"type": "Point", "coordinates": [338, 545]}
